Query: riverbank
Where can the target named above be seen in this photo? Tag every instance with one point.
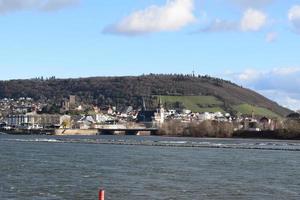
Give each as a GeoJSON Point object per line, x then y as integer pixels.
{"type": "Point", "coordinates": [76, 132]}
{"type": "Point", "coordinates": [28, 131]}
{"type": "Point", "coordinates": [278, 134]}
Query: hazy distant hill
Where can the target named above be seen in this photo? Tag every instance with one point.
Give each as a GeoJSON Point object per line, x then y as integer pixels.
{"type": "Point", "coordinates": [200, 93]}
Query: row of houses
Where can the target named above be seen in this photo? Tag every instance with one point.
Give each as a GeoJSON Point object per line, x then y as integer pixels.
{"type": "Point", "coordinates": [157, 117]}
{"type": "Point", "coordinates": [41, 121]}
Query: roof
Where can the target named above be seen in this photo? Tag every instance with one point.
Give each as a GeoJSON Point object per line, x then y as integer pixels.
{"type": "Point", "coordinates": [87, 119]}
{"type": "Point", "coordinates": [294, 116]}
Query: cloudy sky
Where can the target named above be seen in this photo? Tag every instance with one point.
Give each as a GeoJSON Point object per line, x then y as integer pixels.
{"type": "Point", "coordinates": [254, 43]}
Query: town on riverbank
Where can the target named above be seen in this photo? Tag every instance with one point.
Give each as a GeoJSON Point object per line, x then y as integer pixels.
{"type": "Point", "coordinates": [27, 116]}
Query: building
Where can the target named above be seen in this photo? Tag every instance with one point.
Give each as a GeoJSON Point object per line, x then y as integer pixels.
{"type": "Point", "coordinates": [32, 120]}
{"type": "Point", "coordinates": [250, 124]}
{"type": "Point", "coordinates": [145, 116]}
{"type": "Point", "coordinates": [159, 116]}
{"type": "Point", "coordinates": [294, 116]}
{"type": "Point", "coordinates": [206, 116]}
{"type": "Point", "coordinates": [265, 123]}
{"type": "Point", "coordinates": [65, 106]}
{"type": "Point", "coordinates": [72, 101]}
{"type": "Point", "coordinates": [86, 122]}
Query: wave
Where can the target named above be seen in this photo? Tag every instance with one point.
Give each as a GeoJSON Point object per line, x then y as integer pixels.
{"type": "Point", "coordinates": [189, 144]}
{"type": "Point", "coordinates": [33, 140]}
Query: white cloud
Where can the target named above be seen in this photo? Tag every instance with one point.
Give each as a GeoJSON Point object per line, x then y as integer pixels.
{"type": "Point", "coordinates": [172, 16]}
{"type": "Point", "coordinates": [292, 103]}
{"type": "Point", "coordinates": [219, 25]}
{"type": "Point", "coordinates": [249, 75]}
{"type": "Point", "coordinates": [252, 3]}
{"type": "Point", "coordinates": [286, 71]}
{"type": "Point", "coordinates": [7, 6]}
{"type": "Point", "coordinates": [288, 100]}
{"type": "Point", "coordinates": [253, 20]}
{"type": "Point", "coordinates": [52, 5]}
{"type": "Point", "coordinates": [271, 37]}
{"type": "Point", "coordinates": [279, 84]}
{"type": "Point", "coordinates": [294, 17]}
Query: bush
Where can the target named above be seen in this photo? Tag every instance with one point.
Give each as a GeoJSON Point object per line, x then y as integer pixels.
{"type": "Point", "coordinates": [291, 129]}
{"type": "Point", "coordinates": [172, 128]}
{"type": "Point", "coordinates": [197, 129]}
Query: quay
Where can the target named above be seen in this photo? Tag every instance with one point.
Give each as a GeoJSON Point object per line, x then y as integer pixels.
{"type": "Point", "coordinates": [99, 131]}
{"type": "Point", "coordinates": [21, 131]}
{"type": "Point", "coordinates": [127, 131]}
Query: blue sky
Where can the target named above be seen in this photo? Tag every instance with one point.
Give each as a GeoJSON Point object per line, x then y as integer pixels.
{"type": "Point", "coordinates": [252, 42]}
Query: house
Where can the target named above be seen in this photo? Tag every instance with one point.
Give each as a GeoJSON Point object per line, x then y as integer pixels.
{"type": "Point", "coordinates": [250, 124]}
{"type": "Point", "coordinates": [32, 120]}
{"type": "Point", "coordinates": [186, 111]}
{"type": "Point", "coordinates": [206, 116]}
{"type": "Point", "coordinates": [145, 116]}
{"type": "Point", "coordinates": [110, 111]}
{"type": "Point", "coordinates": [265, 123]}
{"type": "Point", "coordinates": [86, 122]}
{"type": "Point", "coordinates": [102, 118]}
{"type": "Point", "coordinates": [128, 110]}
{"type": "Point", "coordinates": [293, 116]}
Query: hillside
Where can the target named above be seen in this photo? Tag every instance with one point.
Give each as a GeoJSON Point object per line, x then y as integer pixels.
{"type": "Point", "coordinates": [202, 93]}
{"type": "Point", "coordinates": [194, 103]}
{"type": "Point", "coordinates": [212, 104]}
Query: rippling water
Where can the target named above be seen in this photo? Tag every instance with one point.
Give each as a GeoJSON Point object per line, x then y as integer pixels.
{"type": "Point", "coordinates": [74, 167]}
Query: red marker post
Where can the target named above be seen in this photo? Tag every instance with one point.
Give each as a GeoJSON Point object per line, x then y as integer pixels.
{"type": "Point", "coordinates": [101, 194]}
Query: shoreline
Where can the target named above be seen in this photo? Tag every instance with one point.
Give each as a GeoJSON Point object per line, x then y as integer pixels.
{"type": "Point", "coordinates": [268, 135]}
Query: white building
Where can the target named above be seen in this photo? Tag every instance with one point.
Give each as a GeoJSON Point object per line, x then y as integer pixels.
{"type": "Point", "coordinates": [159, 116]}
{"type": "Point", "coordinates": [86, 122]}
{"type": "Point", "coordinates": [32, 120]}
{"type": "Point", "coordinates": [206, 116]}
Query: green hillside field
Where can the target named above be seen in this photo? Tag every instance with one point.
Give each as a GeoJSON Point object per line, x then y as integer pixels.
{"type": "Point", "coordinates": [247, 109]}
{"type": "Point", "coordinates": [212, 104]}
{"type": "Point", "coordinates": [195, 103]}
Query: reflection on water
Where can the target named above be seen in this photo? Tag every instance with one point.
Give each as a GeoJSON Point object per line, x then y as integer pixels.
{"type": "Point", "coordinates": [74, 167]}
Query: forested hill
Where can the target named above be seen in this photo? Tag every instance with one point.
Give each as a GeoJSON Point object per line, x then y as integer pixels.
{"type": "Point", "coordinates": [198, 93]}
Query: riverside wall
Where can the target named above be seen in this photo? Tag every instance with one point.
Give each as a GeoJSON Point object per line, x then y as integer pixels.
{"type": "Point", "coordinates": [76, 132]}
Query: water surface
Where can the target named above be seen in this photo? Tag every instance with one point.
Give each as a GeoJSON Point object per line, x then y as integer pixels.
{"type": "Point", "coordinates": [74, 167]}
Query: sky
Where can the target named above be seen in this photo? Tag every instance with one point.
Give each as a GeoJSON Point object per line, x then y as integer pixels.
{"type": "Point", "coordinates": [254, 43]}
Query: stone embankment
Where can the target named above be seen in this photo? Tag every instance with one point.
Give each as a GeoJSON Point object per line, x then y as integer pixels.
{"type": "Point", "coordinates": [76, 132]}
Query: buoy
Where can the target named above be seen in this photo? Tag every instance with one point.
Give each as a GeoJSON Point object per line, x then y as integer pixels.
{"type": "Point", "coordinates": [101, 194]}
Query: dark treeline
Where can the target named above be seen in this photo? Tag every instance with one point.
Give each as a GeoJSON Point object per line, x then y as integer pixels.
{"type": "Point", "coordinates": [130, 90]}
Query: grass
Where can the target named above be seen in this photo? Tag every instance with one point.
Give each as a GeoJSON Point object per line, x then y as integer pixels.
{"type": "Point", "coordinates": [212, 110]}
{"type": "Point", "coordinates": [247, 109]}
{"type": "Point", "coordinates": [212, 104]}
{"type": "Point", "coordinates": [196, 103]}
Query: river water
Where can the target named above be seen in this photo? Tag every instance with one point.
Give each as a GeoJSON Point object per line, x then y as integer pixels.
{"type": "Point", "coordinates": [133, 168]}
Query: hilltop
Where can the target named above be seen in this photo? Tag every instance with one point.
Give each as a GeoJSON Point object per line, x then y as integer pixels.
{"type": "Point", "coordinates": [201, 93]}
